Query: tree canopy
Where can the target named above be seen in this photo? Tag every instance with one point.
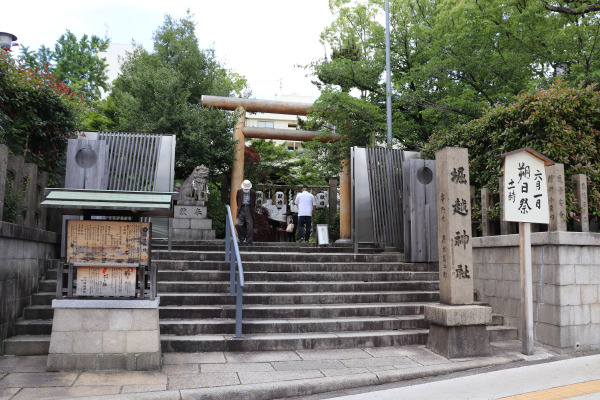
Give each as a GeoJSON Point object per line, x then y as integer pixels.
{"type": "Point", "coordinates": [454, 59]}
{"type": "Point", "coordinates": [74, 62]}
{"type": "Point", "coordinates": [38, 114]}
{"type": "Point", "coordinates": [561, 122]}
{"type": "Point", "coordinates": [161, 92]}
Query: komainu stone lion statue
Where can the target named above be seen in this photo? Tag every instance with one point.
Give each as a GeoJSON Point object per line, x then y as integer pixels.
{"type": "Point", "coordinates": [193, 191]}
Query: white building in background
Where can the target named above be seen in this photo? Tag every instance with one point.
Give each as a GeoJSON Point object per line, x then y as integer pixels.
{"type": "Point", "coordinates": [114, 55]}
{"type": "Point", "coordinates": [279, 121]}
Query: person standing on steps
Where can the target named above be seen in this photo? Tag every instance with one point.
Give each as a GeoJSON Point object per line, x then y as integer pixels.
{"type": "Point", "coordinates": [307, 205]}
{"type": "Point", "coordinates": [246, 202]}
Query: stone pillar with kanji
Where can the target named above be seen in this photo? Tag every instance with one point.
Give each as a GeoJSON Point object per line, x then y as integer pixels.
{"type": "Point", "coordinates": [457, 325]}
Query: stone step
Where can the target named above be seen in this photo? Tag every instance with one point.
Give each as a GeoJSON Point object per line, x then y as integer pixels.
{"type": "Point", "coordinates": [293, 311]}
{"type": "Point", "coordinates": [270, 276]}
{"type": "Point", "coordinates": [298, 286]}
{"type": "Point", "coordinates": [190, 327]}
{"type": "Point", "coordinates": [51, 274]}
{"type": "Point", "coordinates": [23, 345]}
{"type": "Point", "coordinates": [501, 333]}
{"type": "Point", "coordinates": [168, 299]}
{"type": "Point", "coordinates": [290, 257]}
{"type": "Point", "coordinates": [43, 298]}
{"type": "Point", "coordinates": [38, 312]}
{"type": "Point", "coordinates": [293, 341]}
{"type": "Point", "coordinates": [34, 327]}
{"type": "Point", "coordinates": [48, 285]}
{"type": "Point", "coordinates": [278, 266]}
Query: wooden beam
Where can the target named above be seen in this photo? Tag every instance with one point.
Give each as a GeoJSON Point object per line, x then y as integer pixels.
{"type": "Point", "coordinates": [254, 105]}
{"type": "Point", "coordinates": [285, 134]}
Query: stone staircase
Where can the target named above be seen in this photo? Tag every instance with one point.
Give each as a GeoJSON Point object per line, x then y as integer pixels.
{"type": "Point", "coordinates": [297, 296]}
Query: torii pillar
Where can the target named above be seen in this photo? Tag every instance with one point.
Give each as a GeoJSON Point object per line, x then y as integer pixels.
{"type": "Point", "coordinates": [241, 132]}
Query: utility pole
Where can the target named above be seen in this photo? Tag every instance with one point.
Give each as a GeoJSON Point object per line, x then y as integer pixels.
{"type": "Point", "coordinates": [388, 73]}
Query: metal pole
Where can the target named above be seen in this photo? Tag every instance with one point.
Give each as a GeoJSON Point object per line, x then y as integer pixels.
{"type": "Point", "coordinates": [388, 74]}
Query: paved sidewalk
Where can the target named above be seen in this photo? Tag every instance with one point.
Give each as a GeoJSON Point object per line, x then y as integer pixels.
{"type": "Point", "coordinates": [256, 375]}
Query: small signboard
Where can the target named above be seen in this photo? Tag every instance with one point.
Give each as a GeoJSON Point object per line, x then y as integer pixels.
{"type": "Point", "coordinates": [108, 241]}
{"type": "Point", "coordinates": [322, 234]}
{"type": "Point", "coordinates": [525, 187]}
{"type": "Point", "coordinates": [106, 281]}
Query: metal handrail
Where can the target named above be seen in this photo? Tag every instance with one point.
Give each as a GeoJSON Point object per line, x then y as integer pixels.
{"type": "Point", "coordinates": [232, 254]}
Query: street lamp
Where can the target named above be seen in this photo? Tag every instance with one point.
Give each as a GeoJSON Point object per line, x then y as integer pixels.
{"type": "Point", "coordinates": [6, 40]}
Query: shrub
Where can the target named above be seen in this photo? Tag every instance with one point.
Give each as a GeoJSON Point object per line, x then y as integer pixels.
{"type": "Point", "coordinates": [563, 123]}
{"type": "Point", "coordinates": [37, 114]}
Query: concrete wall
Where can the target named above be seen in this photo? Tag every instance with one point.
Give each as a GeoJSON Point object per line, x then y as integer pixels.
{"type": "Point", "coordinates": [25, 255]}
{"type": "Point", "coordinates": [566, 285]}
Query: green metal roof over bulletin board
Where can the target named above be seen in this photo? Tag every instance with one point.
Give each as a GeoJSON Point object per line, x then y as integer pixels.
{"type": "Point", "coordinates": [110, 202]}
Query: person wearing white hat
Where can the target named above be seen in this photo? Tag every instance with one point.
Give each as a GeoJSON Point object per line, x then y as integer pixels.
{"type": "Point", "coordinates": [246, 202]}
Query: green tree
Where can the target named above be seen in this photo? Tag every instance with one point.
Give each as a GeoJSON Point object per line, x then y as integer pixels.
{"type": "Point", "coordinates": [560, 122]}
{"type": "Point", "coordinates": [75, 62]}
{"type": "Point", "coordinates": [38, 114]}
{"type": "Point", "coordinates": [356, 122]}
{"type": "Point", "coordinates": [161, 92]}
{"type": "Point", "coordinates": [453, 59]}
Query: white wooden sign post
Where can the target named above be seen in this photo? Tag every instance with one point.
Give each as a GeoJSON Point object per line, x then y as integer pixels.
{"type": "Point", "coordinates": [526, 202]}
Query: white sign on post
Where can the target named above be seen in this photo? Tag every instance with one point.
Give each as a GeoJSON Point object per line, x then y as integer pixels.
{"type": "Point", "coordinates": [526, 202]}
{"type": "Point", "coordinates": [525, 188]}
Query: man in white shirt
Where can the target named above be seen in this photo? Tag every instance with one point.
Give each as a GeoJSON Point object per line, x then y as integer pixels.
{"type": "Point", "coordinates": [307, 206]}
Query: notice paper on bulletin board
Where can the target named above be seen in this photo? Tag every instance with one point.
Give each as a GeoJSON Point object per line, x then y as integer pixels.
{"type": "Point", "coordinates": [322, 234]}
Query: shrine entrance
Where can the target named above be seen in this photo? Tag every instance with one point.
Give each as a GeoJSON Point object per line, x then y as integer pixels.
{"type": "Point", "coordinates": [241, 132]}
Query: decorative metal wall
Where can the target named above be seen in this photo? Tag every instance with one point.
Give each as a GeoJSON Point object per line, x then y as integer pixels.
{"type": "Point", "coordinates": [132, 160]}
{"type": "Point", "coordinates": [377, 196]}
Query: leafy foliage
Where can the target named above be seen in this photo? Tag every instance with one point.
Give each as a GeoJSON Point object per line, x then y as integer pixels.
{"type": "Point", "coordinates": [356, 122]}
{"type": "Point", "coordinates": [453, 59]}
{"type": "Point", "coordinates": [560, 122]}
{"type": "Point", "coordinates": [161, 92]}
{"type": "Point", "coordinates": [75, 62]}
{"type": "Point", "coordinates": [38, 114]}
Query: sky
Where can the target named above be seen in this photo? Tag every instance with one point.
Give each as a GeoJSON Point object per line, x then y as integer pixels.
{"type": "Point", "coordinates": [261, 39]}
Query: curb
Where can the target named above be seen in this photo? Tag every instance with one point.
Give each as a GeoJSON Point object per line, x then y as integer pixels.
{"type": "Point", "coordinates": [305, 387]}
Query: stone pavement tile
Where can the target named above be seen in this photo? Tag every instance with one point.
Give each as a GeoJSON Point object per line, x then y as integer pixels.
{"type": "Point", "coordinates": [345, 371]}
{"type": "Point", "coordinates": [402, 362]}
{"type": "Point", "coordinates": [307, 365]}
{"type": "Point", "coordinates": [277, 376]}
{"type": "Point", "coordinates": [193, 358]}
{"type": "Point", "coordinates": [122, 378]}
{"type": "Point", "coordinates": [23, 364]}
{"type": "Point", "coordinates": [65, 392]}
{"type": "Point", "coordinates": [191, 381]}
{"type": "Point", "coordinates": [426, 357]}
{"type": "Point", "coordinates": [236, 367]}
{"type": "Point", "coordinates": [335, 354]}
{"type": "Point", "coordinates": [382, 368]}
{"type": "Point", "coordinates": [143, 388]}
{"type": "Point", "coordinates": [400, 351]}
{"type": "Point", "coordinates": [38, 379]}
{"type": "Point", "coordinates": [180, 369]}
{"type": "Point", "coordinates": [261, 356]}
{"type": "Point", "coordinates": [6, 394]}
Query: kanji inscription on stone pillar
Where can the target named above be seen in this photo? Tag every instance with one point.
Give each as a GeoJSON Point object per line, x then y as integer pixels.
{"type": "Point", "coordinates": [556, 197]}
{"type": "Point", "coordinates": [454, 226]}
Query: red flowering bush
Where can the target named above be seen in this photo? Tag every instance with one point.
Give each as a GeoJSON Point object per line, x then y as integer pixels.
{"type": "Point", "coordinates": [37, 114]}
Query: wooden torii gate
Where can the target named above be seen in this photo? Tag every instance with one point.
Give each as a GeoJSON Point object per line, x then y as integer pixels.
{"type": "Point", "coordinates": [241, 132]}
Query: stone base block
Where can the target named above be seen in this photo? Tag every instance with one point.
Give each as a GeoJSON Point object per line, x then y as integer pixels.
{"type": "Point", "coordinates": [458, 331]}
{"type": "Point", "coordinates": [101, 339]}
{"type": "Point", "coordinates": [451, 315]}
{"type": "Point", "coordinates": [459, 341]}
{"type": "Point", "coordinates": [193, 234]}
{"type": "Point", "coordinates": [190, 211]}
